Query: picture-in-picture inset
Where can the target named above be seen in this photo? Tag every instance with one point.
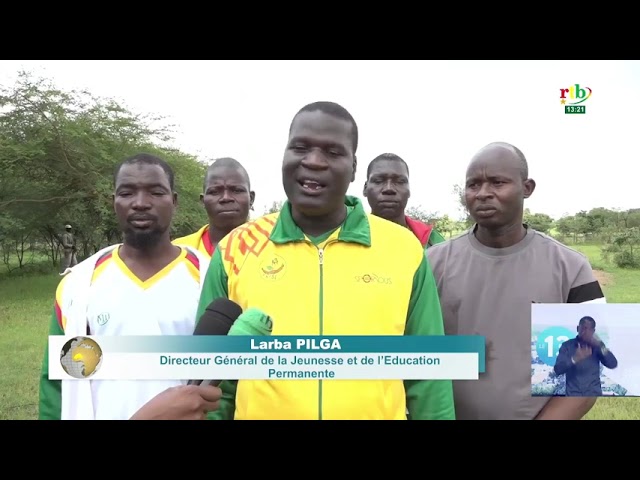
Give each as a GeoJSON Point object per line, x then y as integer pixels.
{"type": "Point", "coordinates": [585, 349]}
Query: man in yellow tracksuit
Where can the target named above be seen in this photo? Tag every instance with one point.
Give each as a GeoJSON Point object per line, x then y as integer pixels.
{"type": "Point", "coordinates": [323, 266]}
{"type": "Point", "coordinates": [227, 198]}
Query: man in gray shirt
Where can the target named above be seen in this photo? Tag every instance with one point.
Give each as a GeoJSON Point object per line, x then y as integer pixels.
{"type": "Point", "coordinates": [488, 278]}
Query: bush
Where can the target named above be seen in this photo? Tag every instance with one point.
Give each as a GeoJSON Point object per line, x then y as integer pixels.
{"type": "Point", "coordinates": [621, 258]}
{"type": "Point", "coordinates": [627, 259]}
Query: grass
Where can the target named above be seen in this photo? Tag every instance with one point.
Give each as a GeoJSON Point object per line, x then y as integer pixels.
{"type": "Point", "coordinates": [26, 304]}
{"type": "Point", "coordinates": [620, 286]}
{"type": "Point", "coordinates": [624, 286]}
{"type": "Point", "coordinates": [25, 309]}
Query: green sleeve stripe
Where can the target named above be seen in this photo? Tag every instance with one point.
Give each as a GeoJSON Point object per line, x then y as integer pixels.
{"type": "Point", "coordinates": [50, 402]}
{"type": "Point", "coordinates": [215, 283]}
{"type": "Point", "coordinates": [427, 399]}
{"type": "Point", "coordinates": [425, 315]}
{"type": "Point", "coordinates": [435, 238]}
{"type": "Point", "coordinates": [216, 286]}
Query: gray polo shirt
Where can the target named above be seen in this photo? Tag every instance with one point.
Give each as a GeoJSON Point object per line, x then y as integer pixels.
{"type": "Point", "coordinates": [489, 291]}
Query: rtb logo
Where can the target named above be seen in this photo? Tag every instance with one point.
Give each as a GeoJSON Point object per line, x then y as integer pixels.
{"type": "Point", "coordinates": [573, 97]}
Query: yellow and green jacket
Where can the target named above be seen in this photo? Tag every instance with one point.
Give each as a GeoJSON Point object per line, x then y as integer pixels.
{"type": "Point", "coordinates": [368, 277]}
{"type": "Point", "coordinates": [198, 240]}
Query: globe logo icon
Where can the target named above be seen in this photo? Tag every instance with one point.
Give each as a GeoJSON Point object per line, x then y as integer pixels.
{"type": "Point", "coordinates": [81, 357]}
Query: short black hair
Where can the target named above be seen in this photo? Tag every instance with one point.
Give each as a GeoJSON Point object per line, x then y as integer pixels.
{"type": "Point", "coordinates": [588, 319]}
{"type": "Point", "coordinates": [225, 162]}
{"type": "Point", "coordinates": [524, 165]}
{"type": "Point", "coordinates": [392, 157]}
{"type": "Point", "coordinates": [336, 110]}
{"type": "Point", "coordinates": [146, 159]}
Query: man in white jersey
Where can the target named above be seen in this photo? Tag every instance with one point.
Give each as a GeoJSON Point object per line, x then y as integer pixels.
{"type": "Point", "coordinates": [144, 286]}
{"type": "Point", "coordinates": [488, 278]}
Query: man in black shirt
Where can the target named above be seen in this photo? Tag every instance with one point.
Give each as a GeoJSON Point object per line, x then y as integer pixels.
{"type": "Point", "coordinates": [580, 358]}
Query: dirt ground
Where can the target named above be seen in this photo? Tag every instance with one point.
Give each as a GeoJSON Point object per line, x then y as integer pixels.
{"type": "Point", "coordinates": [603, 277]}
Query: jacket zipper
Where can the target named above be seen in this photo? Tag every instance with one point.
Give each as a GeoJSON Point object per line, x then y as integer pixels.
{"type": "Point", "coordinates": [321, 312]}
{"type": "Point", "coordinates": [321, 316]}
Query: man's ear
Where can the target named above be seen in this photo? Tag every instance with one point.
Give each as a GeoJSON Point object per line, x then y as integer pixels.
{"type": "Point", "coordinates": [175, 199]}
{"type": "Point", "coordinates": [252, 198]}
{"type": "Point", "coordinates": [355, 168]}
{"type": "Point", "coordinates": [529, 186]}
{"type": "Point", "coordinates": [202, 198]}
{"type": "Point", "coordinates": [364, 189]}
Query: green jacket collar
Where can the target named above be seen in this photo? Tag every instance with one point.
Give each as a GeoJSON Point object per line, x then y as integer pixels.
{"type": "Point", "coordinates": [355, 227]}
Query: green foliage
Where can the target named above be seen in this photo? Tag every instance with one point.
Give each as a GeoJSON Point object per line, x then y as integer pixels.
{"type": "Point", "coordinates": [458, 191]}
{"type": "Point", "coordinates": [58, 152]}
{"type": "Point", "coordinates": [443, 223]}
{"type": "Point", "coordinates": [538, 221]}
{"type": "Point", "coordinates": [617, 230]}
{"type": "Point", "coordinates": [624, 248]}
{"type": "Point", "coordinates": [275, 206]}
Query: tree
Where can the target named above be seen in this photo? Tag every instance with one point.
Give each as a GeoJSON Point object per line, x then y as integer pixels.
{"type": "Point", "coordinates": [275, 207]}
{"type": "Point", "coordinates": [419, 213]}
{"type": "Point", "coordinates": [447, 226]}
{"type": "Point", "coordinates": [538, 221]}
{"type": "Point", "coordinates": [465, 217]}
{"type": "Point", "coordinates": [58, 151]}
{"type": "Point", "coordinates": [443, 223]}
{"type": "Point", "coordinates": [625, 248]}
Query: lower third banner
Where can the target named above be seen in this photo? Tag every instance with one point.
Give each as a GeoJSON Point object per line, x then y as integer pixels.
{"type": "Point", "coordinates": [256, 358]}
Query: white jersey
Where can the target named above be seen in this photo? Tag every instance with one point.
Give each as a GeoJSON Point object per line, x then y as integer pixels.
{"type": "Point", "coordinates": [121, 304]}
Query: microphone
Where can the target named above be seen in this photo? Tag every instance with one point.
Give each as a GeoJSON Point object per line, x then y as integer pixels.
{"type": "Point", "coordinates": [217, 319]}
{"type": "Point", "coordinates": [253, 322]}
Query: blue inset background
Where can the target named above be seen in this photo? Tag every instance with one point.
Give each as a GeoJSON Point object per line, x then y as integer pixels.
{"type": "Point", "coordinates": [549, 342]}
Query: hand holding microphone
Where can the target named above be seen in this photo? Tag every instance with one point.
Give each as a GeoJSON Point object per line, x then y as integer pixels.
{"type": "Point", "coordinates": [184, 402]}
{"type": "Point", "coordinates": [253, 322]}
{"type": "Point", "coordinates": [193, 401]}
{"type": "Point", "coordinates": [217, 319]}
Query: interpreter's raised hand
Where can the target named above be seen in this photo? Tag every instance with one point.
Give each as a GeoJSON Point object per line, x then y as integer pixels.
{"type": "Point", "coordinates": [581, 353]}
